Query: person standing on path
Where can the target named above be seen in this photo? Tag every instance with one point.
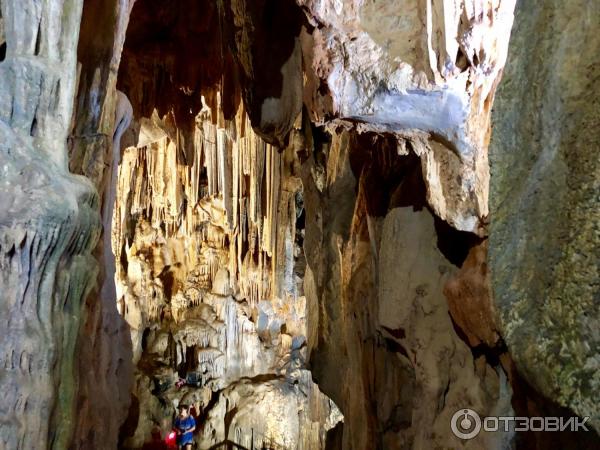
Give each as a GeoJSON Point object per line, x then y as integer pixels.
{"type": "Point", "coordinates": [184, 427]}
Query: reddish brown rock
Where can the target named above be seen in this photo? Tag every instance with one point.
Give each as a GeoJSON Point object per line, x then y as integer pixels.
{"type": "Point", "coordinates": [470, 299]}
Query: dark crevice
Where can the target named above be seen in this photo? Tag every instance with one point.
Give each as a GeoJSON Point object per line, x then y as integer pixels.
{"type": "Point", "coordinates": [145, 336]}
{"type": "Point", "coordinates": [189, 363]}
{"type": "Point", "coordinates": [38, 39]}
{"type": "Point", "coordinates": [397, 333]}
{"type": "Point", "coordinates": [334, 439]}
{"type": "Point", "coordinates": [123, 257]}
{"type": "Point", "coordinates": [203, 415]}
{"type": "Point", "coordinates": [475, 58]}
{"type": "Point", "coordinates": [34, 127]}
{"type": "Point", "coordinates": [168, 280]}
{"type": "Point", "coordinates": [454, 244]}
{"type": "Point", "coordinates": [527, 402]}
{"type": "Point", "coordinates": [299, 256]}
{"type": "Point", "coordinates": [387, 179]}
{"type": "Point", "coordinates": [131, 422]}
{"type": "Point", "coordinates": [461, 60]}
{"type": "Point", "coordinates": [321, 141]}
{"type": "Point", "coordinates": [393, 346]}
{"type": "Point", "coordinates": [491, 354]}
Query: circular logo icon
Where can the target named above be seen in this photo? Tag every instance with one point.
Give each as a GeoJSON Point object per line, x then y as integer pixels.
{"type": "Point", "coordinates": [465, 424]}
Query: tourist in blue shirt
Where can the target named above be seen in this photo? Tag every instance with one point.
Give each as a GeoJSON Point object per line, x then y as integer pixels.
{"type": "Point", "coordinates": [184, 427]}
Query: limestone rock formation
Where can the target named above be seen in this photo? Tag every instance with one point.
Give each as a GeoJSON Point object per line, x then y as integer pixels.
{"type": "Point", "coordinates": [277, 213]}
{"type": "Point", "coordinates": [48, 227]}
{"type": "Point", "coordinates": [544, 242]}
{"type": "Point", "coordinates": [425, 71]}
{"type": "Point", "coordinates": [379, 270]}
{"type": "Point", "coordinates": [208, 288]}
{"type": "Point", "coordinates": [470, 301]}
{"type": "Point", "coordinates": [208, 242]}
{"type": "Point", "coordinates": [104, 351]}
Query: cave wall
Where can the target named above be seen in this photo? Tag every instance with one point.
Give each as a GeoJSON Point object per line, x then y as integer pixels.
{"type": "Point", "coordinates": [301, 217]}
{"type": "Point", "coordinates": [429, 75]}
{"type": "Point", "coordinates": [66, 352]}
{"type": "Point", "coordinates": [209, 256]}
{"type": "Point", "coordinates": [378, 316]}
{"type": "Point", "coordinates": [256, 217]}
{"type": "Point", "coordinates": [49, 226]}
{"type": "Point", "coordinates": [544, 240]}
{"type": "Point", "coordinates": [192, 199]}
{"type": "Point", "coordinates": [104, 349]}
{"type": "Point", "coordinates": [398, 295]}
{"type": "Point", "coordinates": [207, 285]}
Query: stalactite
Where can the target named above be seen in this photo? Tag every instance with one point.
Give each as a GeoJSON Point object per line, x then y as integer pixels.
{"type": "Point", "coordinates": [237, 163]}
{"type": "Point", "coordinates": [204, 241]}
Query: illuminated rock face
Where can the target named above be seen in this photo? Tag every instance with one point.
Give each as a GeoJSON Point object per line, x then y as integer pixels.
{"type": "Point", "coordinates": [207, 233]}
{"type": "Point", "coordinates": [397, 207]}
{"type": "Point", "coordinates": [426, 71]}
{"type": "Point", "coordinates": [379, 267]}
{"type": "Point", "coordinates": [208, 284]}
{"type": "Point", "coordinates": [281, 218]}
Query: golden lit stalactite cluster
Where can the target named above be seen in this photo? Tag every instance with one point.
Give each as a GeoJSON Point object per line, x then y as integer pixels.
{"type": "Point", "coordinates": [238, 190]}
{"type": "Point", "coordinates": [207, 279]}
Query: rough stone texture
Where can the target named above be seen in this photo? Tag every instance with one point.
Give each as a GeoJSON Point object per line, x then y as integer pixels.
{"type": "Point", "coordinates": [208, 287]}
{"type": "Point", "coordinates": [104, 348]}
{"type": "Point", "coordinates": [378, 318]}
{"type": "Point", "coordinates": [299, 222]}
{"type": "Point", "coordinates": [268, 54]}
{"type": "Point", "coordinates": [414, 313]}
{"type": "Point", "coordinates": [205, 232]}
{"type": "Point", "coordinates": [425, 70]}
{"type": "Point", "coordinates": [49, 224]}
{"type": "Point", "coordinates": [289, 414]}
{"type": "Point", "coordinates": [470, 301]}
{"type": "Point", "coordinates": [77, 361]}
{"type": "Point", "coordinates": [544, 242]}
{"type": "Point", "coordinates": [208, 254]}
